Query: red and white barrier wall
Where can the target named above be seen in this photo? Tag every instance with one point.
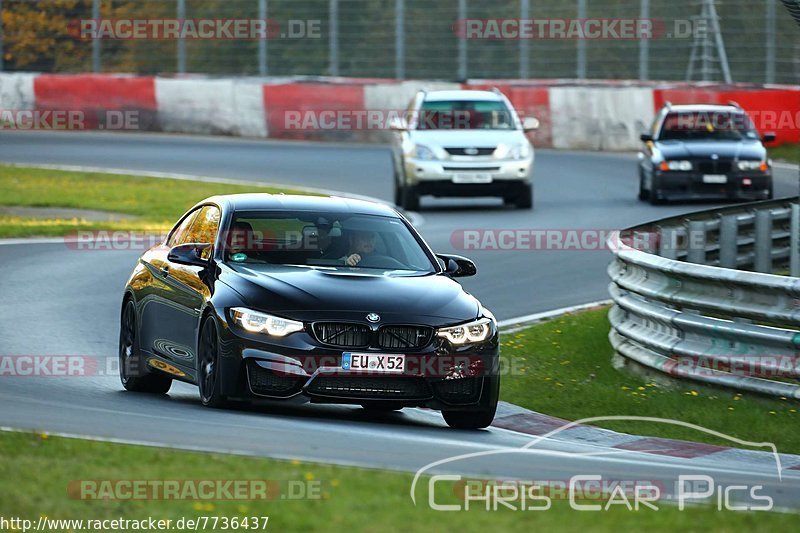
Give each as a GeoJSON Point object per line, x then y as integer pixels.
{"type": "Point", "coordinates": [592, 116]}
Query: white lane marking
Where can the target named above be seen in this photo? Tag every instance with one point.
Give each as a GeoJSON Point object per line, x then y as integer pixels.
{"type": "Point", "coordinates": [510, 325]}
{"type": "Point", "coordinates": [32, 240]}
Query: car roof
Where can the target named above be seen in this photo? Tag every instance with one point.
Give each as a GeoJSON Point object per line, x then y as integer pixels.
{"type": "Point", "coordinates": [704, 107]}
{"type": "Point", "coordinates": [439, 96]}
{"type": "Point", "coordinates": [297, 202]}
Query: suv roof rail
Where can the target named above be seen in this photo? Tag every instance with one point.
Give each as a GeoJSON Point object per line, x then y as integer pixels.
{"type": "Point", "coordinates": [734, 104]}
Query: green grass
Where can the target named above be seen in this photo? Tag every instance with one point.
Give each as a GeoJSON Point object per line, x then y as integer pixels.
{"type": "Point", "coordinates": [157, 203]}
{"type": "Point", "coordinates": [563, 368]}
{"type": "Point", "coordinates": [789, 153]}
{"type": "Point", "coordinates": [37, 471]}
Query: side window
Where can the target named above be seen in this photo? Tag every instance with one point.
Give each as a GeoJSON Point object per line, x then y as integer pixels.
{"type": "Point", "coordinates": [178, 234]}
{"type": "Point", "coordinates": [205, 226]}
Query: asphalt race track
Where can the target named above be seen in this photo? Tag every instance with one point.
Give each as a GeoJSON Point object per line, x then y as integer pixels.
{"type": "Point", "coordinates": [58, 301]}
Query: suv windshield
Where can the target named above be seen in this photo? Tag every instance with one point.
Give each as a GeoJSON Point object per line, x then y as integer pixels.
{"type": "Point", "coordinates": [707, 125]}
{"type": "Point", "coordinates": [465, 115]}
{"type": "Point", "coordinates": [333, 241]}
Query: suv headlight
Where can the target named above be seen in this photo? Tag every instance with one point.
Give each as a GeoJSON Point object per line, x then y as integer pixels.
{"type": "Point", "coordinates": [256, 322]}
{"type": "Point", "coordinates": [476, 331]}
{"type": "Point", "coordinates": [516, 151]}
{"type": "Point", "coordinates": [763, 166]}
{"type": "Point", "coordinates": [684, 166]}
{"type": "Point", "coordinates": [423, 152]}
{"type": "Point", "coordinates": [521, 151]}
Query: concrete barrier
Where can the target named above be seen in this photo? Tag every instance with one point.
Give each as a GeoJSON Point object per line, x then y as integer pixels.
{"type": "Point", "coordinates": [606, 115]}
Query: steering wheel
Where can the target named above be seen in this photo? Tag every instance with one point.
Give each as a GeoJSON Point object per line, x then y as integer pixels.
{"type": "Point", "coordinates": [380, 261]}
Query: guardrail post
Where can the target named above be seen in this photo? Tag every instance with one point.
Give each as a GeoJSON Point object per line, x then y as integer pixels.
{"type": "Point", "coordinates": [96, 42]}
{"type": "Point", "coordinates": [763, 244]}
{"type": "Point", "coordinates": [644, 43]}
{"type": "Point", "coordinates": [400, 39]}
{"type": "Point", "coordinates": [668, 243]}
{"type": "Point", "coordinates": [794, 242]}
{"type": "Point", "coordinates": [524, 44]}
{"type": "Point", "coordinates": [333, 37]}
{"type": "Point", "coordinates": [262, 43]}
{"type": "Point", "coordinates": [696, 244]}
{"type": "Point", "coordinates": [769, 61]}
{"type": "Point", "coordinates": [581, 45]}
{"type": "Point", "coordinates": [181, 43]}
{"type": "Point", "coordinates": [728, 241]}
{"type": "Point", "coordinates": [462, 43]}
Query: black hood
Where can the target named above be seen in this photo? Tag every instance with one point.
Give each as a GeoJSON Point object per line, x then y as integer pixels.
{"type": "Point", "coordinates": [311, 294]}
{"type": "Point", "coordinates": [747, 149]}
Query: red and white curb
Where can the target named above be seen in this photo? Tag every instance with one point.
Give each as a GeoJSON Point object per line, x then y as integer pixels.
{"type": "Point", "coordinates": [520, 420]}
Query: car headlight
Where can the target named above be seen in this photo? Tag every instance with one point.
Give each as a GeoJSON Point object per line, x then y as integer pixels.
{"type": "Point", "coordinates": [763, 166]}
{"type": "Point", "coordinates": [517, 151]}
{"type": "Point", "coordinates": [476, 331]}
{"type": "Point", "coordinates": [521, 151]}
{"type": "Point", "coordinates": [256, 322]}
{"type": "Point", "coordinates": [423, 152]}
{"type": "Point", "coordinates": [684, 166]}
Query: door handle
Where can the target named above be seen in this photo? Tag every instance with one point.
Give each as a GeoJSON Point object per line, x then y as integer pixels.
{"type": "Point", "coordinates": [165, 270]}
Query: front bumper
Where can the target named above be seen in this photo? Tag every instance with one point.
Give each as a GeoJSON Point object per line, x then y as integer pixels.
{"type": "Point", "coordinates": [468, 171]}
{"type": "Point", "coordinates": [438, 376]}
{"type": "Point", "coordinates": [692, 186]}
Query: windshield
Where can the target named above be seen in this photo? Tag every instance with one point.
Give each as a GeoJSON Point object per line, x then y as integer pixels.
{"type": "Point", "coordinates": [711, 126]}
{"type": "Point", "coordinates": [465, 115]}
{"type": "Point", "coordinates": [325, 240]}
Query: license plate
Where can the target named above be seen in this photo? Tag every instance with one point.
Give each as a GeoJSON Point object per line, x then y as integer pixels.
{"type": "Point", "coordinates": [715, 178]}
{"type": "Point", "coordinates": [371, 362]}
{"type": "Point", "coordinates": [466, 177]}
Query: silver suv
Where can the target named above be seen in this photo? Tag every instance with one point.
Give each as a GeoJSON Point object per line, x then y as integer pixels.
{"type": "Point", "coordinates": [463, 143]}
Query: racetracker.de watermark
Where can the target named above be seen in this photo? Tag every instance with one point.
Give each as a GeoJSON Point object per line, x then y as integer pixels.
{"type": "Point", "coordinates": [578, 28]}
{"type": "Point", "coordinates": [550, 240]}
{"type": "Point", "coordinates": [195, 489]}
{"type": "Point", "coordinates": [67, 119]}
{"type": "Point", "coordinates": [171, 29]}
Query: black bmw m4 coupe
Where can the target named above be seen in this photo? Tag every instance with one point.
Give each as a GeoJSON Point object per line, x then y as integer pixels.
{"type": "Point", "coordinates": [299, 298]}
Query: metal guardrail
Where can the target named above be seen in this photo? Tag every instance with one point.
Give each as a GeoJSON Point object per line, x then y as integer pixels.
{"type": "Point", "coordinates": [697, 296]}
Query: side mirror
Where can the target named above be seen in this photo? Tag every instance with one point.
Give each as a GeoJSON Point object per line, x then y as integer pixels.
{"type": "Point", "coordinates": [646, 137]}
{"type": "Point", "coordinates": [530, 124]}
{"type": "Point", "coordinates": [191, 254]}
{"type": "Point", "coordinates": [456, 266]}
{"type": "Point", "coordinates": [769, 137]}
{"type": "Point", "coordinates": [397, 124]}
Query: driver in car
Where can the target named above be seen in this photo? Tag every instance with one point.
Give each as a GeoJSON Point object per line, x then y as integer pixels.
{"type": "Point", "coordinates": [361, 244]}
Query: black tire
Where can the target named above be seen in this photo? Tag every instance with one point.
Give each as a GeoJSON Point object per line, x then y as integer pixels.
{"type": "Point", "coordinates": [398, 194]}
{"type": "Point", "coordinates": [398, 189]}
{"type": "Point", "coordinates": [654, 199]}
{"type": "Point", "coordinates": [481, 416]}
{"type": "Point", "coordinates": [380, 408]}
{"type": "Point", "coordinates": [410, 198]}
{"type": "Point", "coordinates": [133, 373]}
{"type": "Point", "coordinates": [525, 199]}
{"type": "Point", "coordinates": [771, 193]}
{"type": "Point", "coordinates": [209, 380]}
{"type": "Point", "coordinates": [644, 194]}
{"type": "Point", "coordinates": [522, 200]}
